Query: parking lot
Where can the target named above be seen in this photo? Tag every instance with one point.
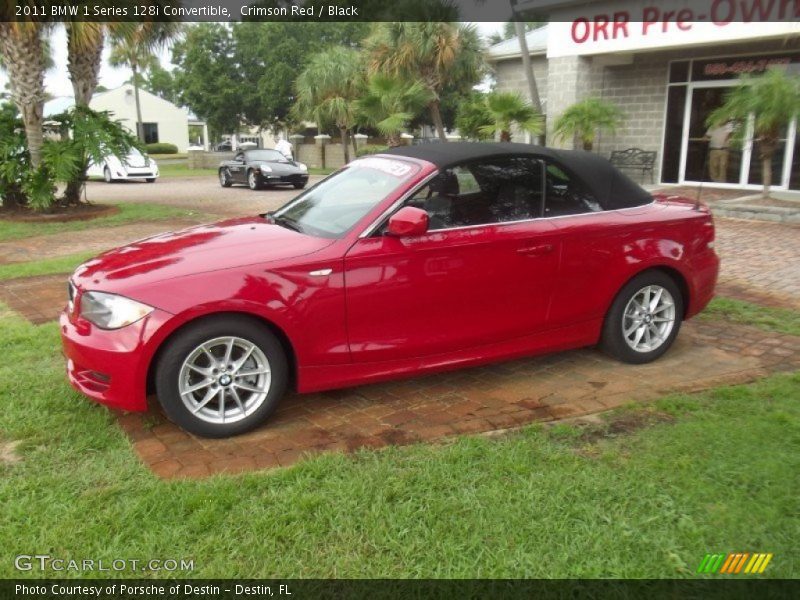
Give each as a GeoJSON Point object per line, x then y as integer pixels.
{"type": "Point", "coordinates": [203, 193]}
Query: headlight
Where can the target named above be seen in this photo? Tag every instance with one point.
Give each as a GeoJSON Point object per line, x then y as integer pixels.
{"type": "Point", "coordinates": [303, 166]}
{"type": "Point", "coordinates": [265, 168]}
{"type": "Point", "coordinates": [109, 311]}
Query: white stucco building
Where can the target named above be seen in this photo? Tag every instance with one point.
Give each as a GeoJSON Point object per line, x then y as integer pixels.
{"type": "Point", "coordinates": [162, 121]}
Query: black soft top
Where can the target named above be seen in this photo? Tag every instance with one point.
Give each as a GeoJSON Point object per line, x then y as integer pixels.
{"type": "Point", "coordinates": [612, 188]}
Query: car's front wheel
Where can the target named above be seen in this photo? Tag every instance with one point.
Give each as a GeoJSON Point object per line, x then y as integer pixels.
{"type": "Point", "coordinates": [299, 186]}
{"type": "Point", "coordinates": [253, 180]}
{"type": "Point", "coordinates": [225, 178]}
{"type": "Point", "coordinates": [107, 175]}
{"type": "Point", "coordinates": [644, 318]}
{"type": "Point", "coordinates": [221, 376]}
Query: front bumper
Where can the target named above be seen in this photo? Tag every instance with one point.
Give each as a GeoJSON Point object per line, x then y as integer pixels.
{"type": "Point", "coordinates": [136, 173]}
{"type": "Point", "coordinates": [274, 179]}
{"type": "Point", "coordinates": [110, 366]}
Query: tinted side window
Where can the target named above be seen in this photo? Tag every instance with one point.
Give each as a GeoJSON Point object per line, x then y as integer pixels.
{"type": "Point", "coordinates": [484, 192]}
{"type": "Point", "coordinates": [567, 195]}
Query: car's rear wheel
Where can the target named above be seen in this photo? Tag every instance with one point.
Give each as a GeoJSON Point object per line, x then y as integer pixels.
{"type": "Point", "coordinates": [107, 175]}
{"type": "Point", "coordinates": [221, 376]}
{"type": "Point", "coordinates": [253, 180]}
{"type": "Point", "coordinates": [644, 318]}
{"type": "Point", "coordinates": [225, 178]}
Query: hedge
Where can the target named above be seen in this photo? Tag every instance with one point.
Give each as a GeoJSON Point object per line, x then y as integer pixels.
{"type": "Point", "coordinates": [161, 148]}
{"type": "Point", "coordinates": [371, 149]}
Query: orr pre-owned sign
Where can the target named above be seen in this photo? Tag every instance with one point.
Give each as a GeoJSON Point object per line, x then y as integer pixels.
{"type": "Point", "coordinates": [626, 26]}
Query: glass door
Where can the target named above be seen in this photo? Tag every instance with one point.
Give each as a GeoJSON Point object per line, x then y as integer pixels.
{"type": "Point", "coordinates": [710, 154]}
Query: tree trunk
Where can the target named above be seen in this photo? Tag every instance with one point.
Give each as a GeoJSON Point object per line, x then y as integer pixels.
{"type": "Point", "coordinates": [23, 56]}
{"type": "Point", "coordinates": [527, 66]}
{"type": "Point", "coordinates": [588, 145]}
{"type": "Point", "coordinates": [505, 135]}
{"type": "Point", "coordinates": [436, 117]}
{"type": "Point", "coordinates": [83, 63]}
{"type": "Point", "coordinates": [766, 175]}
{"type": "Point", "coordinates": [345, 147]}
{"type": "Point", "coordinates": [139, 126]}
{"type": "Point", "coordinates": [394, 140]}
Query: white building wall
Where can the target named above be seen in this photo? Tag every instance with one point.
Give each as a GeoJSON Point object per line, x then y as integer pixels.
{"type": "Point", "coordinates": [173, 121]}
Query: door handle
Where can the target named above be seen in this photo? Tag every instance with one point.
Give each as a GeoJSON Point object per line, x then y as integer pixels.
{"type": "Point", "coordinates": [537, 250]}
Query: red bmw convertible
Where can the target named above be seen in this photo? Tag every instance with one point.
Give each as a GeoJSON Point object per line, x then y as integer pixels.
{"type": "Point", "coordinates": [418, 260]}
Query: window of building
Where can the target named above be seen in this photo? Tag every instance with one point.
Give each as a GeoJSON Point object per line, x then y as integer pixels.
{"type": "Point", "coordinates": [150, 132]}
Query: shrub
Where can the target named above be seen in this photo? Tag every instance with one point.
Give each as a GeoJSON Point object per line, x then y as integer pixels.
{"type": "Point", "coordinates": [161, 148]}
{"type": "Point", "coordinates": [371, 149]}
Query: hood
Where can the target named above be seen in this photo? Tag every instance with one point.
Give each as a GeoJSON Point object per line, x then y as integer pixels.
{"type": "Point", "coordinates": [223, 245]}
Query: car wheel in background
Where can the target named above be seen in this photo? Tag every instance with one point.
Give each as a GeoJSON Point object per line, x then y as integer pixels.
{"type": "Point", "coordinates": [253, 180]}
{"type": "Point", "coordinates": [225, 178]}
{"type": "Point", "coordinates": [150, 179]}
{"type": "Point", "coordinates": [299, 186]}
{"type": "Point", "coordinates": [107, 175]}
{"type": "Point", "coordinates": [221, 376]}
{"type": "Point", "coordinates": [644, 318]}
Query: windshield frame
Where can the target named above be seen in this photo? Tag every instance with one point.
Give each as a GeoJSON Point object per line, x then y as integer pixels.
{"type": "Point", "coordinates": [278, 156]}
{"type": "Point", "coordinates": [402, 189]}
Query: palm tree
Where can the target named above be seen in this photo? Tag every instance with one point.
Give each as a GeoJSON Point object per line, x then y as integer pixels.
{"type": "Point", "coordinates": [772, 100]}
{"type": "Point", "coordinates": [506, 109]}
{"type": "Point", "coordinates": [585, 118]}
{"type": "Point", "coordinates": [22, 49]}
{"type": "Point", "coordinates": [437, 54]}
{"type": "Point", "coordinates": [390, 103]}
{"type": "Point", "coordinates": [328, 90]}
{"type": "Point", "coordinates": [136, 48]}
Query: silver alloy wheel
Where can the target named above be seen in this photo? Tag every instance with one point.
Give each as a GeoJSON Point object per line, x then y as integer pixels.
{"type": "Point", "coordinates": [224, 380]}
{"type": "Point", "coordinates": [251, 180]}
{"type": "Point", "coordinates": [223, 176]}
{"type": "Point", "coordinates": [648, 318]}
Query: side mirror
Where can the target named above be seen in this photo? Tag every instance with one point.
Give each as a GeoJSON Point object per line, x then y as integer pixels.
{"type": "Point", "coordinates": [408, 222]}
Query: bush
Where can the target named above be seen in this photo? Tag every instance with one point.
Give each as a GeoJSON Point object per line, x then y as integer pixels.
{"type": "Point", "coordinates": [371, 149]}
{"type": "Point", "coordinates": [161, 148]}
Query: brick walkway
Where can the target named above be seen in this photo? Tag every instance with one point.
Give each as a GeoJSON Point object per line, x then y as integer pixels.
{"type": "Point", "coordinates": [500, 396]}
{"type": "Point", "coordinates": [759, 260]}
{"type": "Point", "coordinates": [38, 299]}
{"type": "Point", "coordinates": [89, 240]}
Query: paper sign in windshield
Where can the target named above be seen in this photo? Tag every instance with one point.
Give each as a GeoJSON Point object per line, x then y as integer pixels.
{"type": "Point", "coordinates": [385, 165]}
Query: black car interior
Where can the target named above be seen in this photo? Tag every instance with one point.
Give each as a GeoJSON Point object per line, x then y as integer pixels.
{"type": "Point", "coordinates": [501, 191]}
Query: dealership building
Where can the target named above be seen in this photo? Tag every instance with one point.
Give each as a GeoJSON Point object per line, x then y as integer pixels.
{"type": "Point", "coordinates": [666, 66]}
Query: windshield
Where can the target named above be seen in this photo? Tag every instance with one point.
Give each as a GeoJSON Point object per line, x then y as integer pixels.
{"type": "Point", "coordinates": [335, 204]}
{"type": "Point", "coordinates": [268, 155]}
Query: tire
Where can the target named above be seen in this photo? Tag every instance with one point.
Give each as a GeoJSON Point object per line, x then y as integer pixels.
{"type": "Point", "coordinates": [299, 186]}
{"type": "Point", "coordinates": [198, 411]}
{"type": "Point", "coordinates": [107, 175]}
{"type": "Point", "coordinates": [659, 327]}
{"type": "Point", "coordinates": [253, 181]}
{"type": "Point", "coordinates": [150, 179]}
{"type": "Point", "coordinates": [225, 178]}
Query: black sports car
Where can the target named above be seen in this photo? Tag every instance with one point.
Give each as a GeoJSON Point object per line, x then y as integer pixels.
{"type": "Point", "coordinates": [262, 168]}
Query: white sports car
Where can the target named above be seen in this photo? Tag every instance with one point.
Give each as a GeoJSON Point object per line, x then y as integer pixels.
{"type": "Point", "coordinates": [135, 166]}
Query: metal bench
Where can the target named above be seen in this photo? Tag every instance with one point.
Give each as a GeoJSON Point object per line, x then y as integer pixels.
{"type": "Point", "coordinates": [635, 159]}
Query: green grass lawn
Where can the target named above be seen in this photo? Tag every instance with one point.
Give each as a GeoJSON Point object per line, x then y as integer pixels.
{"type": "Point", "coordinates": [47, 266]}
{"type": "Point", "coordinates": [713, 472]}
{"type": "Point", "coordinates": [780, 320]}
{"type": "Point", "coordinates": [183, 170]}
{"type": "Point", "coordinates": [128, 212]}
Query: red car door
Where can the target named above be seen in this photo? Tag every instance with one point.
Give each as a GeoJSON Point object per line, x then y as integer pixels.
{"type": "Point", "coordinates": [450, 289]}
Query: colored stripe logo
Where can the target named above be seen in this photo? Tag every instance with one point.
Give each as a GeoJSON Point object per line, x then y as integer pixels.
{"type": "Point", "coordinates": [735, 563]}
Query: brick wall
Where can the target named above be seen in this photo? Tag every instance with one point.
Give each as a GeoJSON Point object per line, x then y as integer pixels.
{"type": "Point", "coordinates": [639, 89]}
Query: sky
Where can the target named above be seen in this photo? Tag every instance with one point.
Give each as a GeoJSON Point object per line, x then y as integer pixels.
{"type": "Point", "coordinates": [57, 79]}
